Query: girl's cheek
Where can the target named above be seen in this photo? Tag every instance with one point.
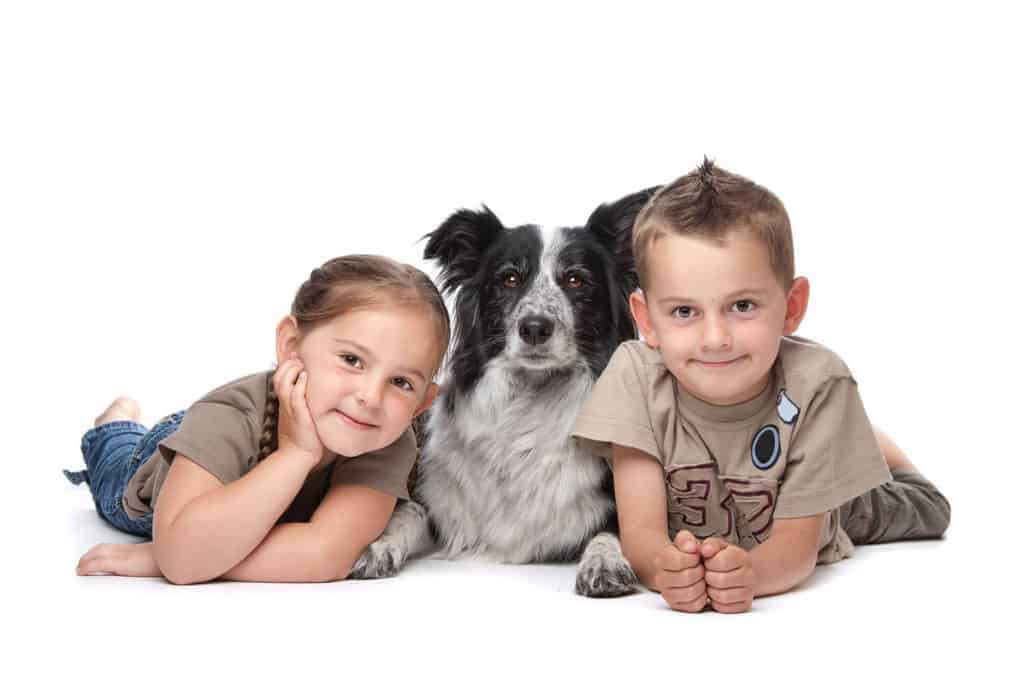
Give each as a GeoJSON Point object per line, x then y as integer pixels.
{"type": "Point", "coordinates": [405, 405]}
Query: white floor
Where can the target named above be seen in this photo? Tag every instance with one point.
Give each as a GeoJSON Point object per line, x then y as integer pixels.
{"type": "Point", "coordinates": [909, 609]}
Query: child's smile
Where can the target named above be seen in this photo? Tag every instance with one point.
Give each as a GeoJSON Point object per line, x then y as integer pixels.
{"type": "Point", "coordinates": [713, 365]}
{"type": "Point", "coordinates": [353, 422]}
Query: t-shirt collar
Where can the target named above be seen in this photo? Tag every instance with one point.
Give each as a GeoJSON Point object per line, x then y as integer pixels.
{"type": "Point", "coordinates": [738, 412]}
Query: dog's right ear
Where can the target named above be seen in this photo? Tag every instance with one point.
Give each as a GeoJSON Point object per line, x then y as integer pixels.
{"type": "Point", "coordinates": [613, 225]}
{"type": "Point", "coordinates": [459, 243]}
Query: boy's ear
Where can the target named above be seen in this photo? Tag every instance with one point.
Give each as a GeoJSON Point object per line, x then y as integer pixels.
{"type": "Point", "coordinates": [287, 340]}
{"type": "Point", "coordinates": [458, 244]}
{"type": "Point", "coordinates": [428, 400]}
{"type": "Point", "coordinates": [796, 304]}
{"type": "Point", "coordinates": [642, 316]}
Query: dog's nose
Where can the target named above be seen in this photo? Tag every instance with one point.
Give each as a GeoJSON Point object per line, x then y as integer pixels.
{"type": "Point", "coordinates": [535, 330]}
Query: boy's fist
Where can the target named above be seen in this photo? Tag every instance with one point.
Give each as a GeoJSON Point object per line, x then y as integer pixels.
{"type": "Point", "coordinates": [729, 574]}
{"type": "Point", "coordinates": [679, 575]}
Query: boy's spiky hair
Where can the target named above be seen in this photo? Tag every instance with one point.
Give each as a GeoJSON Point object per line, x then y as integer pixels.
{"type": "Point", "coordinates": [712, 202]}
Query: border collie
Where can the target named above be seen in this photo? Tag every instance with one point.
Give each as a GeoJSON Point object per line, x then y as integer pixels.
{"type": "Point", "coordinates": [537, 316]}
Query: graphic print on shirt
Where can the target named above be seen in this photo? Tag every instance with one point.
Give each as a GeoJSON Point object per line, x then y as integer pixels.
{"type": "Point", "coordinates": [788, 411]}
{"type": "Point", "coordinates": [736, 509]}
{"type": "Point", "coordinates": [689, 488]}
{"type": "Point", "coordinates": [755, 502]}
{"type": "Point", "coordinates": [766, 447]}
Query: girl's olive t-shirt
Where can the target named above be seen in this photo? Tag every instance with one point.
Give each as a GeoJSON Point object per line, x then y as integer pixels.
{"type": "Point", "coordinates": [221, 434]}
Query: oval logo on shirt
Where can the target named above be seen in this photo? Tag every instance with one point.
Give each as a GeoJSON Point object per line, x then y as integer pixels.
{"type": "Point", "coordinates": [765, 448]}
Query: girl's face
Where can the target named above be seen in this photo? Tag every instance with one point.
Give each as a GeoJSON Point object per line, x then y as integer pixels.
{"type": "Point", "coordinates": [369, 374]}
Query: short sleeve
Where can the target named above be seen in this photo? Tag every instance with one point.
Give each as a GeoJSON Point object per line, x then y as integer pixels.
{"type": "Point", "coordinates": [218, 437]}
{"type": "Point", "coordinates": [616, 412]}
{"type": "Point", "coordinates": [834, 455]}
{"type": "Point", "coordinates": [386, 470]}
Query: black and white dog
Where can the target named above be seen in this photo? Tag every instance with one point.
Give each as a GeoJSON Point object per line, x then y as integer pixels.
{"type": "Point", "coordinates": [537, 317]}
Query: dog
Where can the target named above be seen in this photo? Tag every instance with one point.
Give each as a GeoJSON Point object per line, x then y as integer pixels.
{"type": "Point", "coordinates": [537, 316]}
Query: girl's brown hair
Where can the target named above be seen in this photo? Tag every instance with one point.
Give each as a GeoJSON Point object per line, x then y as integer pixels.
{"type": "Point", "coordinates": [351, 283]}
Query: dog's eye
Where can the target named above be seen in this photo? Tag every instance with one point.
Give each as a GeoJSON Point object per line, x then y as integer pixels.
{"type": "Point", "coordinates": [510, 279]}
{"type": "Point", "coordinates": [574, 280]}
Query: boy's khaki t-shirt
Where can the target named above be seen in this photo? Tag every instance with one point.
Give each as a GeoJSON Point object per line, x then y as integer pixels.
{"type": "Point", "coordinates": [803, 447]}
{"type": "Point", "coordinates": [221, 434]}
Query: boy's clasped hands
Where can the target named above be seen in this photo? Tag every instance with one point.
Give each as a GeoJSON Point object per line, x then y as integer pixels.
{"type": "Point", "coordinates": [691, 574]}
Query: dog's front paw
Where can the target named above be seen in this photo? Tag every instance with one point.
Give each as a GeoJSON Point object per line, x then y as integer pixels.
{"type": "Point", "coordinates": [381, 559]}
{"type": "Point", "coordinates": [599, 576]}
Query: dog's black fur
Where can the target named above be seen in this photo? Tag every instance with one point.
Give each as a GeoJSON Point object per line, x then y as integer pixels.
{"type": "Point", "coordinates": [474, 250]}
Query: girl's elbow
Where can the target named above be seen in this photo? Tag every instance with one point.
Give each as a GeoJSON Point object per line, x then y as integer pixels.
{"type": "Point", "coordinates": [330, 572]}
{"type": "Point", "coordinates": [336, 564]}
{"type": "Point", "coordinates": [182, 579]}
{"type": "Point", "coordinates": [180, 573]}
{"type": "Point", "coordinates": [175, 565]}
{"type": "Point", "coordinates": [332, 576]}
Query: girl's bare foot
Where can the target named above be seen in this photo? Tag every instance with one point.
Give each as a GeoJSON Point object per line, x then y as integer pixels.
{"type": "Point", "coordinates": [122, 408]}
{"type": "Point", "coordinates": [894, 457]}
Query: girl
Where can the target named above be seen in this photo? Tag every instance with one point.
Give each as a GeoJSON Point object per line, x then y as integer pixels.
{"type": "Point", "coordinates": [284, 475]}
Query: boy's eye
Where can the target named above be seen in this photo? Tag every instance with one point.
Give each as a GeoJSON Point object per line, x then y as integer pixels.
{"type": "Point", "coordinates": [351, 359]}
{"type": "Point", "coordinates": [403, 383]}
{"type": "Point", "coordinates": [744, 306]}
{"type": "Point", "coordinates": [683, 312]}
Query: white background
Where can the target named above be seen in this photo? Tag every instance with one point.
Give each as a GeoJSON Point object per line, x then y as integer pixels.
{"type": "Point", "coordinates": [170, 173]}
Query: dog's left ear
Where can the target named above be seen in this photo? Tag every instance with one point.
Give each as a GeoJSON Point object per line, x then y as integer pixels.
{"type": "Point", "coordinates": [612, 224]}
{"type": "Point", "coordinates": [459, 243]}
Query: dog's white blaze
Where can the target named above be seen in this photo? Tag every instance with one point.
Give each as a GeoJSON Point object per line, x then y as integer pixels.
{"type": "Point", "coordinates": [544, 297]}
{"type": "Point", "coordinates": [553, 240]}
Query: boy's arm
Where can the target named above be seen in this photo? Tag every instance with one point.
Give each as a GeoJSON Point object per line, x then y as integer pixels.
{"type": "Point", "coordinates": [672, 568]}
{"type": "Point", "coordinates": [788, 556]}
{"type": "Point", "coordinates": [642, 509]}
{"type": "Point", "coordinates": [348, 519]}
{"type": "Point", "coordinates": [735, 576]}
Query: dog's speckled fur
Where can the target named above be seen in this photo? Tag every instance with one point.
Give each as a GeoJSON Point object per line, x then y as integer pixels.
{"type": "Point", "coordinates": [537, 316]}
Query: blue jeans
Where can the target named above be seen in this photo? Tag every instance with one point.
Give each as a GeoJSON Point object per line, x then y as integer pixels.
{"type": "Point", "coordinates": [113, 452]}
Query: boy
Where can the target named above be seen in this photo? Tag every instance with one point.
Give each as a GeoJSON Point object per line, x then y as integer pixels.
{"type": "Point", "coordinates": [742, 455]}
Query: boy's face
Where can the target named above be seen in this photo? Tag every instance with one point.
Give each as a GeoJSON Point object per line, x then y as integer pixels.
{"type": "Point", "coordinates": [717, 312]}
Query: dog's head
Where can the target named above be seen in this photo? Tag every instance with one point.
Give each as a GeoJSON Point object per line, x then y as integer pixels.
{"type": "Point", "coordinates": [540, 302]}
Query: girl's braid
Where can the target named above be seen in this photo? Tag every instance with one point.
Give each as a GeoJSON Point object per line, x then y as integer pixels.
{"type": "Point", "coordinates": [268, 439]}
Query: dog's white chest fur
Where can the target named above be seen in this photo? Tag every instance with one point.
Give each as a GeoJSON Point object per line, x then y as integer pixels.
{"type": "Point", "coordinates": [503, 479]}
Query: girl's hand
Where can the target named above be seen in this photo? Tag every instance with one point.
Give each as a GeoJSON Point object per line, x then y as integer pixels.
{"type": "Point", "coordinates": [121, 559]}
{"type": "Point", "coordinates": [295, 427]}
